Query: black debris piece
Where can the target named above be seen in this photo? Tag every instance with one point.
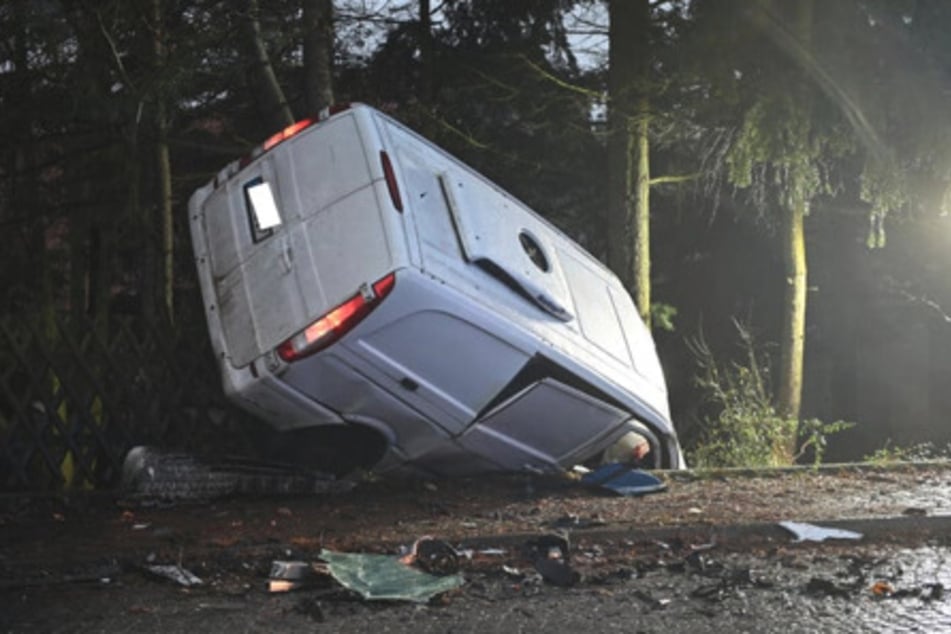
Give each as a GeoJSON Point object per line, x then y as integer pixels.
{"type": "Point", "coordinates": [820, 587]}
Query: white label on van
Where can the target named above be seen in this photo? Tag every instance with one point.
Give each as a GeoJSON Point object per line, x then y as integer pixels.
{"type": "Point", "coordinates": [263, 205]}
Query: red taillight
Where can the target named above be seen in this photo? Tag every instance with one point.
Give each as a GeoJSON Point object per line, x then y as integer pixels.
{"type": "Point", "coordinates": [391, 185]}
{"type": "Point", "coordinates": [336, 323]}
{"type": "Point", "coordinates": [285, 134]}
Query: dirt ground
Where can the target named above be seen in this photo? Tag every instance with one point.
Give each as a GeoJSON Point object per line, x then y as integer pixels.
{"type": "Point", "coordinates": [703, 555]}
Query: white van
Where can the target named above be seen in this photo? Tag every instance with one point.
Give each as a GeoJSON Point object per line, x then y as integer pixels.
{"type": "Point", "coordinates": [360, 281]}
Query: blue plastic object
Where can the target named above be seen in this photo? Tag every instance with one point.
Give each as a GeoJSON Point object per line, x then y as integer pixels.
{"type": "Point", "coordinates": [624, 480]}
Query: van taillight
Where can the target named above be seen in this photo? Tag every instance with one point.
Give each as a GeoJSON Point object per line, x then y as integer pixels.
{"type": "Point", "coordinates": [278, 138]}
{"type": "Point", "coordinates": [391, 185]}
{"type": "Point", "coordinates": [336, 323]}
{"type": "Point", "coordinates": [285, 134]}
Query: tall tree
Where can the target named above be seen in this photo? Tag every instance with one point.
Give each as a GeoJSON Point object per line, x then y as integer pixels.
{"type": "Point", "coordinates": [649, 107]}
{"type": "Point", "coordinates": [318, 54]}
{"type": "Point", "coordinates": [792, 144]}
{"type": "Point", "coordinates": [274, 104]}
{"type": "Point", "coordinates": [781, 142]}
{"type": "Point", "coordinates": [629, 148]}
{"type": "Point", "coordinates": [163, 172]}
{"type": "Point", "coordinates": [426, 60]}
{"type": "Point", "coordinates": [24, 190]}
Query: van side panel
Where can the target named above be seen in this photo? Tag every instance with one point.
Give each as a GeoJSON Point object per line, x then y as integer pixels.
{"type": "Point", "coordinates": [592, 294]}
{"type": "Point", "coordinates": [463, 220]}
{"type": "Point", "coordinates": [454, 365]}
{"type": "Point", "coordinates": [460, 215]}
{"type": "Point", "coordinates": [434, 224]}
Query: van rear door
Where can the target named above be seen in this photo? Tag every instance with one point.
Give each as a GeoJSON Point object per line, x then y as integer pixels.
{"type": "Point", "coordinates": [252, 261]}
{"type": "Point", "coordinates": [292, 235]}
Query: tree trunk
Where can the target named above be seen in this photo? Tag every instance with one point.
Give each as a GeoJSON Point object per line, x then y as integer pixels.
{"type": "Point", "coordinates": [318, 54]}
{"type": "Point", "coordinates": [163, 167]}
{"type": "Point", "coordinates": [642, 217]}
{"type": "Point", "coordinates": [789, 395]}
{"type": "Point", "coordinates": [426, 61]}
{"type": "Point", "coordinates": [263, 79]}
{"type": "Point", "coordinates": [164, 176]}
{"type": "Point", "coordinates": [24, 196]}
{"type": "Point", "coordinates": [628, 240]}
{"type": "Point", "coordinates": [96, 220]}
{"type": "Point", "coordinates": [620, 78]}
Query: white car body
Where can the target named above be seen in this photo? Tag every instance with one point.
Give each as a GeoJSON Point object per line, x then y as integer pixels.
{"type": "Point", "coordinates": [470, 352]}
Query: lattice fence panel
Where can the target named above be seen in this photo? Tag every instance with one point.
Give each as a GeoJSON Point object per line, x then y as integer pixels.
{"type": "Point", "coordinates": [73, 402]}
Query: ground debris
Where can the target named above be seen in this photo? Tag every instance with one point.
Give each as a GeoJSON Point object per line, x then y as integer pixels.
{"type": "Point", "coordinates": [572, 521]}
{"type": "Point", "coordinates": [652, 601]}
{"type": "Point", "coordinates": [822, 587]}
{"type": "Point", "coordinates": [385, 577]}
{"type": "Point", "coordinates": [810, 532]}
{"type": "Point", "coordinates": [433, 556]}
{"type": "Point", "coordinates": [176, 573]}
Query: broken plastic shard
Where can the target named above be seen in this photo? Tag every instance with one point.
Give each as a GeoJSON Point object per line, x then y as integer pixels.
{"type": "Point", "coordinates": [291, 570]}
{"type": "Point", "coordinates": [882, 589]}
{"type": "Point", "coordinates": [382, 577]}
{"type": "Point", "coordinates": [436, 556]}
{"type": "Point", "coordinates": [176, 573]}
{"type": "Point", "coordinates": [432, 555]}
{"type": "Point", "coordinates": [810, 532]}
{"type": "Point", "coordinates": [289, 575]}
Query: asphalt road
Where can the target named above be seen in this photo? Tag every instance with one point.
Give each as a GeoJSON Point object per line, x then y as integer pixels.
{"type": "Point", "coordinates": [825, 589]}
{"type": "Point", "coordinates": [704, 556]}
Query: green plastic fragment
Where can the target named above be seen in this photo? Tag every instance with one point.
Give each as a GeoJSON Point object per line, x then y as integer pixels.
{"type": "Point", "coordinates": [382, 577]}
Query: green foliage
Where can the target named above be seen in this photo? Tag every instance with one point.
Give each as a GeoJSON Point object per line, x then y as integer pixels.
{"type": "Point", "coordinates": [814, 434]}
{"type": "Point", "coordinates": [892, 454]}
{"type": "Point", "coordinates": [662, 316]}
{"type": "Point", "coordinates": [779, 154]}
{"type": "Point", "coordinates": [885, 187]}
{"type": "Point", "coordinates": [746, 430]}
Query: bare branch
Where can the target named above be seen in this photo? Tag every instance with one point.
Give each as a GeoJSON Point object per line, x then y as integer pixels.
{"type": "Point", "coordinates": [115, 51]}
{"type": "Point", "coordinates": [683, 178]}
{"type": "Point", "coordinates": [587, 92]}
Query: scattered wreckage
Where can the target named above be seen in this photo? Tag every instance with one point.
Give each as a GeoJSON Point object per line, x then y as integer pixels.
{"type": "Point", "coordinates": [384, 306]}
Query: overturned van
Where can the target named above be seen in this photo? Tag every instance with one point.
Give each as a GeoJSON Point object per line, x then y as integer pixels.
{"type": "Point", "coordinates": [368, 294]}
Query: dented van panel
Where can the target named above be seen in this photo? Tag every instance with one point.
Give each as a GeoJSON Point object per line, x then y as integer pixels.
{"type": "Point", "coordinates": [355, 276]}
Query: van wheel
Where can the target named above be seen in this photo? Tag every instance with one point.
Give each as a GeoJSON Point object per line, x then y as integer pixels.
{"type": "Point", "coordinates": [335, 449]}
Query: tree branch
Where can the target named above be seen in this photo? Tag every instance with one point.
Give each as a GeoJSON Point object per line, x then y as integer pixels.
{"type": "Point", "coordinates": [587, 92]}
{"type": "Point", "coordinates": [683, 178]}
{"type": "Point", "coordinates": [471, 140]}
{"type": "Point", "coordinates": [115, 52]}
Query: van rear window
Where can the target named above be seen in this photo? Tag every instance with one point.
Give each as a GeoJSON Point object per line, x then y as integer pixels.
{"type": "Point", "coordinates": [263, 214]}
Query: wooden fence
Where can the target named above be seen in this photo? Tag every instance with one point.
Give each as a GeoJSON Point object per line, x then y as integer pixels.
{"type": "Point", "coordinates": [74, 399]}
